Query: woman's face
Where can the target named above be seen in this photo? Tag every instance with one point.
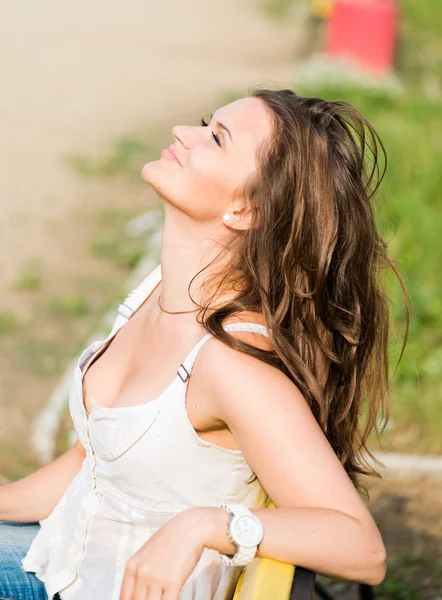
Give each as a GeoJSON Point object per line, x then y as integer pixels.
{"type": "Point", "coordinates": [211, 161]}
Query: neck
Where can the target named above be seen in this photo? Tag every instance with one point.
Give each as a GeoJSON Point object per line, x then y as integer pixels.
{"type": "Point", "coordinates": [185, 250]}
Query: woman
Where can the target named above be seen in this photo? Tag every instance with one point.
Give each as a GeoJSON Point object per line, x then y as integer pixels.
{"type": "Point", "coordinates": [238, 369]}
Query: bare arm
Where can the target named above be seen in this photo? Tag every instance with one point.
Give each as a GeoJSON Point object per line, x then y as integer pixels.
{"type": "Point", "coordinates": [33, 497]}
{"type": "Point", "coordinates": [320, 521]}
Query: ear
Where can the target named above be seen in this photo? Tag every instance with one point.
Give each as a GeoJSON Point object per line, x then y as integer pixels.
{"type": "Point", "coordinates": [240, 216]}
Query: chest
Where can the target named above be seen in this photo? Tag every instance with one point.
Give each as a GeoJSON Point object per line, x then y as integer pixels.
{"type": "Point", "coordinates": [138, 364]}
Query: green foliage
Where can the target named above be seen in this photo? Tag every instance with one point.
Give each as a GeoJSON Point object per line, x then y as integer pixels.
{"type": "Point", "coordinates": [123, 159]}
{"type": "Point", "coordinates": [396, 588]}
{"type": "Point", "coordinates": [115, 217]}
{"type": "Point", "coordinates": [119, 249]}
{"type": "Point", "coordinates": [407, 576]}
{"type": "Point", "coordinates": [277, 8]}
{"type": "Point", "coordinates": [30, 277]}
{"type": "Point", "coordinates": [8, 322]}
{"type": "Point", "coordinates": [15, 463]}
{"type": "Point", "coordinates": [70, 307]}
{"type": "Point", "coordinates": [43, 357]}
{"type": "Point", "coordinates": [420, 48]}
{"type": "Point", "coordinates": [112, 243]}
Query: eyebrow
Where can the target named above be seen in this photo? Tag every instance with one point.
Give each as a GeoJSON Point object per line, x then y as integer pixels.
{"type": "Point", "coordinates": [222, 126]}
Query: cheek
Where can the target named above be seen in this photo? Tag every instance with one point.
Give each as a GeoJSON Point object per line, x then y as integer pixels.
{"type": "Point", "coordinates": [212, 177]}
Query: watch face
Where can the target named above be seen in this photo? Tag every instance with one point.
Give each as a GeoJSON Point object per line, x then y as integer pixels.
{"type": "Point", "coordinates": [246, 530]}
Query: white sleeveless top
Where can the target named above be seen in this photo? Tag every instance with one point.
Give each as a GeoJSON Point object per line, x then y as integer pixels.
{"type": "Point", "coordinates": [144, 464]}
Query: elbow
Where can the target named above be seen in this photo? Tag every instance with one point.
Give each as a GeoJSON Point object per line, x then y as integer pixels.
{"type": "Point", "coordinates": [381, 569]}
{"type": "Point", "coordinates": [375, 568]}
{"type": "Point", "coordinates": [373, 558]}
{"type": "Point", "coordinates": [370, 566]}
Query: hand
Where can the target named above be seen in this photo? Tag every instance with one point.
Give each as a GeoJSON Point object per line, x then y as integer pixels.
{"type": "Point", "coordinates": [160, 568]}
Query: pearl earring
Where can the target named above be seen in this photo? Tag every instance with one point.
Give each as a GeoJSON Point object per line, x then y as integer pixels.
{"type": "Point", "coordinates": [226, 217]}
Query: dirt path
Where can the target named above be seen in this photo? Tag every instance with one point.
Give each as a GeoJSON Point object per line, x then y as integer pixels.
{"type": "Point", "coordinates": [75, 76]}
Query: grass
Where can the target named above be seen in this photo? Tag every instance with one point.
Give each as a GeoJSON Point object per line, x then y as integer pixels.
{"type": "Point", "coordinates": [407, 577]}
{"type": "Point", "coordinates": [70, 307]}
{"type": "Point", "coordinates": [276, 9]}
{"type": "Point", "coordinates": [41, 356]}
{"type": "Point", "coordinates": [30, 277]}
{"type": "Point", "coordinates": [14, 463]}
{"type": "Point", "coordinates": [8, 322]}
{"type": "Point", "coordinates": [115, 247]}
{"type": "Point", "coordinates": [124, 158]}
{"type": "Point", "coordinates": [410, 576]}
{"type": "Point", "coordinates": [112, 243]}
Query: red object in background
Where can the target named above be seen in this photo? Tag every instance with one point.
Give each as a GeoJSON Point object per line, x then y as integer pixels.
{"type": "Point", "coordinates": [363, 31]}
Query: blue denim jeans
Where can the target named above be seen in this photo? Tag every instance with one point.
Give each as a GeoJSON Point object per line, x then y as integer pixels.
{"type": "Point", "coordinates": [15, 582]}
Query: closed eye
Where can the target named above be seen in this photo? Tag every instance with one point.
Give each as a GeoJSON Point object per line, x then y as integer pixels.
{"type": "Point", "coordinates": [215, 137]}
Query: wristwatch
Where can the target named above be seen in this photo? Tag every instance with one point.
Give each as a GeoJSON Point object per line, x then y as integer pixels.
{"type": "Point", "coordinates": [245, 531]}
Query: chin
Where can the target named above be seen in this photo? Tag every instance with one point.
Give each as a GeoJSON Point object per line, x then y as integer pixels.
{"type": "Point", "coordinates": [149, 170]}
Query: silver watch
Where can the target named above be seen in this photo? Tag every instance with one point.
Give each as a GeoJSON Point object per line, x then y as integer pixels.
{"type": "Point", "coordinates": [245, 531]}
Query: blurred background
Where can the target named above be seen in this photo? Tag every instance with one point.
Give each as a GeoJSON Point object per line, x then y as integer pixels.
{"type": "Point", "coordinates": [90, 93]}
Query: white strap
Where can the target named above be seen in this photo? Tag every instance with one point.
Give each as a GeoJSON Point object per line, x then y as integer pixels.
{"type": "Point", "coordinates": [139, 294]}
{"type": "Point", "coordinates": [135, 298]}
{"type": "Point", "coordinates": [185, 368]}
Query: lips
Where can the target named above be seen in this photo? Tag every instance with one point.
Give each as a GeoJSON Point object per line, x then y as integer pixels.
{"type": "Point", "coordinates": [171, 150]}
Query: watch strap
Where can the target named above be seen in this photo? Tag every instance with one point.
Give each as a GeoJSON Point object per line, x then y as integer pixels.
{"type": "Point", "coordinates": [243, 555]}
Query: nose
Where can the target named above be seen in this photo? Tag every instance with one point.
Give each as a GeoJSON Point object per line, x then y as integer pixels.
{"type": "Point", "coordinates": [177, 133]}
{"type": "Point", "coordinates": [188, 135]}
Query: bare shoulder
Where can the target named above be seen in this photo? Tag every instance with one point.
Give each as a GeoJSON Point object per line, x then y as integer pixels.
{"type": "Point", "coordinates": [213, 362]}
{"type": "Point", "coordinates": [227, 368]}
{"type": "Point", "coordinates": [256, 339]}
{"type": "Point", "coordinates": [235, 380]}
{"type": "Point", "coordinates": [217, 359]}
{"type": "Point", "coordinates": [272, 424]}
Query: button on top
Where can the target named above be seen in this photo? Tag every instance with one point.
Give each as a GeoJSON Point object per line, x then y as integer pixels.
{"type": "Point", "coordinates": [84, 513]}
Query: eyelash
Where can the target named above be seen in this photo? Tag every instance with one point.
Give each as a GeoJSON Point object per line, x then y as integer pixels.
{"type": "Point", "coordinates": [215, 137]}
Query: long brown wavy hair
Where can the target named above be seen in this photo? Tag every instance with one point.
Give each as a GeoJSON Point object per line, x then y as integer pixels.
{"type": "Point", "coordinates": [312, 263]}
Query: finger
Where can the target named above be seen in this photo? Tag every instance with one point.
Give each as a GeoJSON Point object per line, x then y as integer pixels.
{"type": "Point", "coordinates": [127, 586]}
{"type": "Point", "coordinates": [171, 593]}
{"type": "Point", "coordinates": [142, 591]}
{"type": "Point", "coordinates": [154, 593]}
